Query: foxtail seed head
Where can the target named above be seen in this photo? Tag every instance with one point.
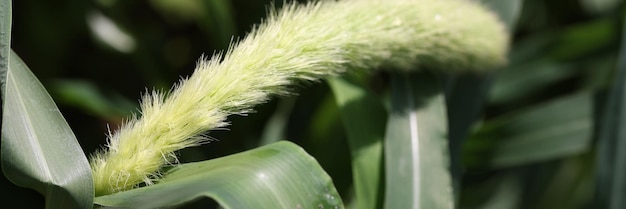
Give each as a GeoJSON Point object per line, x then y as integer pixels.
{"type": "Point", "coordinates": [299, 42]}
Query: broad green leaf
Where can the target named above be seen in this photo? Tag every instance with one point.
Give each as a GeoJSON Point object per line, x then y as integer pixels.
{"type": "Point", "coordinates": [280, 175]}
{"type": "Point", "coordinates": [611, 159]}
{"type": "Point", "coordinates": [39, 150]}
{"type": "Point", "coordinates": [559, 128]}
{"type": "Point", "coordinates": [364, 119]}
{"type": "Point", "coordinates": [416, 149]}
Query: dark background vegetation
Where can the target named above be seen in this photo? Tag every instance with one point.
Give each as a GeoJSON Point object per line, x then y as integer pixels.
{"type": "Point", "coordinates": [560, 48]}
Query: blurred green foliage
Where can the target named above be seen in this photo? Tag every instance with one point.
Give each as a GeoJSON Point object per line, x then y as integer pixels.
{"type": "Point", "coordinates": [95, 57]}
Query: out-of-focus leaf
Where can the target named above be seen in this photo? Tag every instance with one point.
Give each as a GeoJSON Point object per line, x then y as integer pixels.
{"type": "Point", "coordinates": [324, 119]}
{"type": "Point", "coordinates": [556, 129]}
{"type": "Point", "coordinates": [611, 159]}
{"type": "Point", "coordinates": [87, 96]}
{"type": "Point", "coordinates": [585, 38]}
{"type": "Point", "coordinates": [39, 150]}
{"type": "Point", "coordinates": [465, 98]}
{"type": "Point", "coordinates": [416, 150]}
{"type": "Point", "coordinates": [364, 119]}
{"type": "Point", "coordinates": [318, 127]}
{"type": "Point", "coordinates": [531, 48]}
{"type": "Point", "coordinates": [275, 127]}
{"type": "Point", "coordinates": [599, 73]}
{"type": "Point", "coordinates": [215, 17]}
{"type": "Point", "coordinates": [521, 81]}
{"type": "Point", "coordinates": [508, 11]}
{"type": "Point", "coordinates": [109, 33]}
{"type": "Point", "coordinates": [280, 175]}
{"type": "Point", "coordinates": [570, 187]}
{"type": "Point", "coordinates": [507, 195]}
{"type": "Point", "coordinates": [218, 20]}
{"type": "Point", "coordinates": [179, 10]}
{"type": "Point", "coordinates": [599, 6]}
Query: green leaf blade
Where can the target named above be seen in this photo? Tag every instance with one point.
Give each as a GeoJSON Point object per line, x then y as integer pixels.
{"type": "Point", "coordinates": [39, 150]}
{"type": "Point", "coordinates": [280, 175]}
{"type": "Point", "coordinates": [556, 129]}
{"type": "Point", "coordinates": [416, 152]}
{"type": "Point", "coordinates": [364, 119]}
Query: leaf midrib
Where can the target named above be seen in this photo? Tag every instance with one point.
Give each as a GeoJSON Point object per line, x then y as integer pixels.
{"type": "Point", "coordinates": [414, 137]}
{"type": "Point", "coordinates": [41, 161]}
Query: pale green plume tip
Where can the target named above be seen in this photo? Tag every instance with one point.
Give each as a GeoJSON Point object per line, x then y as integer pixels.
{"type": "Point", "coordinates": [300, 42]}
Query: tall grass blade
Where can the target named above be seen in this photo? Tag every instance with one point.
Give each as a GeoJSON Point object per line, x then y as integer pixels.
{"type": "Point", "coordinates": [416, 151]}
{"type": "Point", "coordinates": [364, 119]}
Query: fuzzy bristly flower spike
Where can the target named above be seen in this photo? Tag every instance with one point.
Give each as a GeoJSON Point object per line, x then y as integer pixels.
{"type": "Point", "coordinates": [300, 42]}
